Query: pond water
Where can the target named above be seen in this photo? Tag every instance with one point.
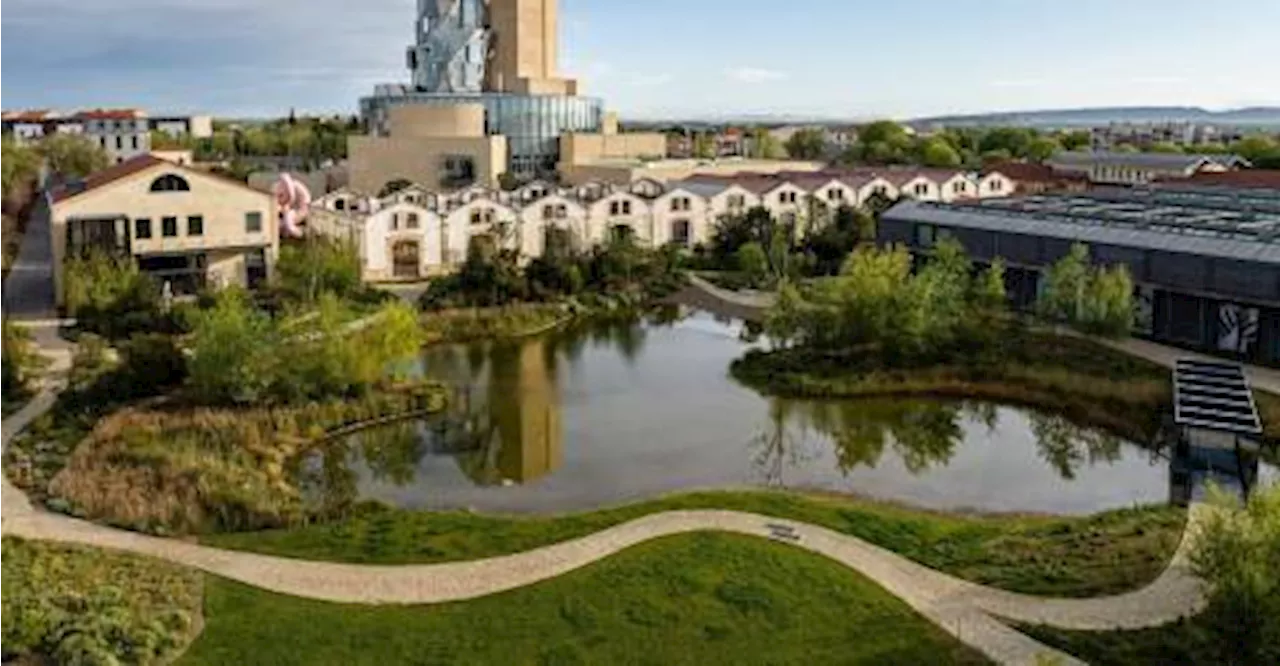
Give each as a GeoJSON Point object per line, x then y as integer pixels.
{"type": "Point", "coordinates": [602, 414]}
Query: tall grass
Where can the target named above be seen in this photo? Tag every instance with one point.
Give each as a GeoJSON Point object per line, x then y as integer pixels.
{"type": "Point", "coordinates": [203, 469]}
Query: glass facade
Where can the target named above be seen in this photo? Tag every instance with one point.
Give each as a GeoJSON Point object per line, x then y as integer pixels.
{"type": "Point", "coordinates": [532, 123]}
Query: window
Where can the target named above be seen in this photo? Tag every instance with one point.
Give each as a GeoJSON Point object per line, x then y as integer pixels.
{"type": "Point", "coordinates": [786, 197]}
{"type": "Point", "coordinates": [835, 194]}
{"type": "Point", "coordinates": [142, 228]}
{"type": "Point", "coordinates": [996, 185]}
{"type": "Point", "coordinates": [548, 212]}
{"type": "Point", "coordinates": [926, 234]}
{"type": "Point", "coordinates": [626, 207]}
{"type": "Point", "coordinates": [340, 204]}
{"type": "Point", "coordinates": [959, 187]}
{"type": "Point", "coordinates": [135, 142]}
{"type": "Point", "coordinates": [411, 221]}
{"type": "Point", "coordinates": [253, 222]}
{"type": "Point", "coordinates": [119, 142]}
{"type": "Point", "coordinates": [681, 203]}
{"type": "Point", "coordinates": [737, 202]}
{"type": "Point", "coordinates": [169, 227]}
{"type": "Point", "coordinates": [680, 232]}
{"type": "Point", "coordinates": [562, 211]}
{"type": "Point", "coordinates": [475, 216]}
{"type": "Point", "coordinates": [395, 221]}
{"type": "Point", "coordinates": [195, 225]}
{"type": "Point", "coordinates": [920, 189]}
{"type": "Point", "coordinates": [102, 141]}
{"type": "Point", "coordinates": [170, 183]}
{"type": "Point", "coordinates": [615, 207]}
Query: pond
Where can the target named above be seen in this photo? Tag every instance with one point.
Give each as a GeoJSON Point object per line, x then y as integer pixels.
{"type": "Point", "coordinates": [601, 414]}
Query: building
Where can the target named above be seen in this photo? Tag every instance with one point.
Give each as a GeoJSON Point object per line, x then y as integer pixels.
{"type": "Point", "coordinates": [1205, 260]}
{"type": "Point", "coordinates": [1033, 178]}
{"type": "Point", "coordinates": [122, 133]}
{"type": "Point", "coordinates": [184, 226]}
{"type": "Point", "coordinates": [485, 99]}
{"type": "Point", "coordinates": [1120, 168]}
{"type": "Point", "coordinates": [196, 127]}
{"type": "Point", "coordinates": [421, 231]}
{"type": "Point", "coordinates": [1146, 134]}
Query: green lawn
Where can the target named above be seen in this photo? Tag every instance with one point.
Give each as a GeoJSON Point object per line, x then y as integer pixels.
{"type": "Point", "coordinates": [689, 599]}
{"type": "Point", "coordinates": [1086, 556]}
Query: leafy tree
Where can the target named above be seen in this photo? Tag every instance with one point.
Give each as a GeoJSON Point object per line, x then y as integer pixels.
{"type": "Point", "coordinates": [807, 144]}
{"type": "Point", "coordinates": [1164, 147]}
{"type": "Point", "coordinates": [308, 268]}
{"type": "Point", "coordinates": [110, 296]}
{"type": "Point", "coordinates": [765, 146]}
{"type": "Point", "coordinates": [752, 260]}
{"type": "Point", "coordinates": [21, 363]}
{"type": "Point", "coordinates": [1015, 140]}
{"type": "Point", "coordinates": [507, 181]}
{"type": "Point", "coordinates": [72, 156]}
{"type": "Point", "coordinates": [1235, 554]}
{"type": "Point", "coordinates": [734, 231]}
{"type": "Point", "coordinates": [1076, 140]}
{"type": "Point", "coordinates": [20, 165]}
{"type": "Point", "coordinates": [939, 153]}
{"type": "Point", "coordinates": [1262, 151]}
{"type": "Point", "coordinates": [1042, 148]}
{"type": "Point", "coordinates": [234, 352]}
{"type": "Point", "coordinates": [704, 146]}
{"type": "Point", "coordinates": [1096, 300]}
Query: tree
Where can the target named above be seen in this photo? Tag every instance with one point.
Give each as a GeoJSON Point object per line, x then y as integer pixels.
{"type": "Point", "coordinates": [1235, 554]}
{"type": "Point", "coordinates": [20, 165]}
{"type": "Point", "coordinates": [1076, 140]}
{"type": "Point", "coordinates": [110, 296]}
{"type": "Point", "coordinates": [752, 260]}
{"type": "Point", "coordinates": [1042, 148]}
{"type": "Point", "coordinates": [1262, 151]}
{"type": "Point", "coordinates": [939, 153]}
{"type": "Point", "coordinates": [507, 181]}
{"type": "Point", "coordinates": [1164, 147]}
{"type": "Point", "coordinates": [20, 363]}
{"type": "Point", "coordinates": [765, 146]}
{"type": "Point", "coordinates": [1015, 140]}
{"type": "Point", "coordinates": [72, 156]}
{"type": "Point", "coordinates": [704, 146]}
{"type": "Point", "coordinates": [807, 144]}
{"type": "Point", "coordinates": [1095, 300]}
{"type": "Point", "coordinates": [233, 353]}
{"type": "Point", "coordinates": [306, 269]}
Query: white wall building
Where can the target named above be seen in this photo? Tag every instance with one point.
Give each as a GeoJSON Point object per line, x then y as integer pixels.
{"type": "Point", "coordinates": [417, 232]}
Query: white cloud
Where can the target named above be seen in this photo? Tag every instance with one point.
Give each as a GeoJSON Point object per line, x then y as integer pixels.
{"type": "Point", "coordinates": [755, 74]}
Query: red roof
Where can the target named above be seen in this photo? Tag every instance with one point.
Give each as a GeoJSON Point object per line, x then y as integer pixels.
{"type": "Point", "coordinates": [107, 176]}
{"type": "Point", "coordinates": [110, 114]}
{"type": "Point", "coordinates": [1269, 178]}
{"type": "Point", "coordinates": [1029, 172]}
{"type": "Point", "coordinates": [27, 116]}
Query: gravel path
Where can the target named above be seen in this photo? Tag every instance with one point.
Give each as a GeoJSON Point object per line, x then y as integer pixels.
{"type": "Point", "coordinates": [966, 610]}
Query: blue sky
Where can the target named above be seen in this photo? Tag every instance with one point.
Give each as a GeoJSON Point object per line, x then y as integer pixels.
{"type": "Point", "coordinates": [663, 58]}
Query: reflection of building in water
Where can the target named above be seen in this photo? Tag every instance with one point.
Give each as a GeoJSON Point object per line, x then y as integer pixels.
{"type": "Point", "coordinates": [525, 439]}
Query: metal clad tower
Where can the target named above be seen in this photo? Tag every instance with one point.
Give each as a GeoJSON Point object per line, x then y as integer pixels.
{"type": "Point", "coordinates": [451, 44]}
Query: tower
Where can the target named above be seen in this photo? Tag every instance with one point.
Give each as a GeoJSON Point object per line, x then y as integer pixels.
{"type": "Point", "coordinates": [451, 44]}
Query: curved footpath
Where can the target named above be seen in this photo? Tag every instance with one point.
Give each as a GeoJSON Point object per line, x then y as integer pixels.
{"type": "Point", "coordinates": [966, 610]}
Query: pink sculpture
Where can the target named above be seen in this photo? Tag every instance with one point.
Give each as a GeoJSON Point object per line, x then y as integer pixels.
{"type": "Point", "coordinates": [294, 200]}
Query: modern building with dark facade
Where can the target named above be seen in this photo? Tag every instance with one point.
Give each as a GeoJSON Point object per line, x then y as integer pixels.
{"type": "Point", "coordinates": [1205, 260]}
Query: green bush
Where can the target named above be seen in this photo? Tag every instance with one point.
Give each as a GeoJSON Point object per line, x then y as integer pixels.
{"type": "Point", "coordinates": [315, 266]}
{"type": "Point", "coordinates": [153, 358]}
{"type": "Point", "coordinates": [21, 363]}
{"type": "Point", "coordinates": [1237, 553]}
{"type": "Point", "coordinates": [111, 297]}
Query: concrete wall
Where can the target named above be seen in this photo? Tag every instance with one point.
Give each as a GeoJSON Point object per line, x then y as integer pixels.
{"type": "Point", "coordinates": [375, 161]}
{"type": "Point", "coordinates": [222, 205]}
{"type": "Point", "coordinates": [432, 121]}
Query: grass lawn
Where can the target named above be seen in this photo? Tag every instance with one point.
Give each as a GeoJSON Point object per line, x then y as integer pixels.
{"type": "Point", "coordinates": [1066, 556]}
{"type": "Point", "coordinates": [688, 599]}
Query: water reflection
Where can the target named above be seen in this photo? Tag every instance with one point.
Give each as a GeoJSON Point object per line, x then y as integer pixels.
{"type": "Point", "coordinates": [623, 410]}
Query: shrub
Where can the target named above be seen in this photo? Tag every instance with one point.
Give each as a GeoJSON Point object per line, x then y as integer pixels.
{"type": "Point", "coordinates": [318, 265]}
{"type": "Point", "coordinates": [110, 296]}
{"type": "Point", "coordinates": [1236, 553]}
{"type": "Point", "coordinates": [153, 358]}
{"type": "Point", "coordinates": [21, 363]}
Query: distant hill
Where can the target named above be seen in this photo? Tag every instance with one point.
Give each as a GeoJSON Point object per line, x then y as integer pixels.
{"type": "Point", "coordinates": [1258, 116]}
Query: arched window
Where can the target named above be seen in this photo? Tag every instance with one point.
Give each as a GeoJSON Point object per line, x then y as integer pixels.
{"type": "Point", "coordinates": [170, 183]}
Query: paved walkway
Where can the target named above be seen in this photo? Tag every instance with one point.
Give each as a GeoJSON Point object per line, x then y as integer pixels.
{"type": "Point", "coordinates": [966, 610]}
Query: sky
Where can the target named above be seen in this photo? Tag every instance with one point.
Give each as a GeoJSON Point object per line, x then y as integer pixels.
{"type": "Point", "coordinates": [651, 59]}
